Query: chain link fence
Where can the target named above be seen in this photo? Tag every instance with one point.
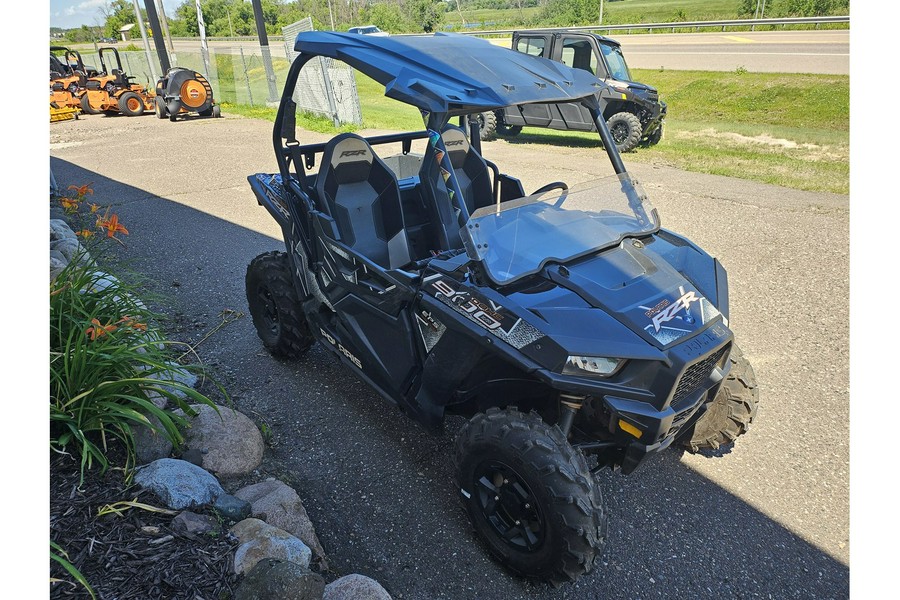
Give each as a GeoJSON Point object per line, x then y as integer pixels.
{"type": "Point", "coordinates": [325, 87]}
{"type": "Point", "coordinates": [238, 76]}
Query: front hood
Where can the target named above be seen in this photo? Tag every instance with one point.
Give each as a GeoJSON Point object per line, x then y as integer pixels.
{"type": "Point", "coordinates": [639, 289]}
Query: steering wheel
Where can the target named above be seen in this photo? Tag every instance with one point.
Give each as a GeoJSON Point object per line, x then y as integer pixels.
{"type": "Point", "coordinates": [553, 186]}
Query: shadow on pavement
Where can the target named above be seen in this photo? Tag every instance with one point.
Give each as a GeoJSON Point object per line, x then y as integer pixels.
{"type": "Point", "coordinates": [380, 490]}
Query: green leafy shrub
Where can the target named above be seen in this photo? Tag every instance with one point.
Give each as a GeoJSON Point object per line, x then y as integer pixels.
{"type": "Point", "coordinates": [108, 359]}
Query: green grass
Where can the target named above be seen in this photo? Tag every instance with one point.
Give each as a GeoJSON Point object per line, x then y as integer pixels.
{"type": "Point", "coordinates": [497, 16]}
{"type": "Point", "coordinates": [788, 130]}
{"type": "Point", "coordinates": [661, 11]}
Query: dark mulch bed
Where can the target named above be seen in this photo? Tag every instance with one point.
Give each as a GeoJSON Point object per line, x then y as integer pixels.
{"type": "Point", "coordinates": [135, 555]}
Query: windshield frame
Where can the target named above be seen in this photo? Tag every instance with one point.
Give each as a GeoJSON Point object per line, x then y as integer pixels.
{"type": "Point", "coordinates": [606, 50]}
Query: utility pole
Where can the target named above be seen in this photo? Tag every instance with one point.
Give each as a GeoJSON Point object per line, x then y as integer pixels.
{"type": "Point", "coordinates": [140, 20]}
{"type": "Point", "coordinates": [330, 15]}
{"type": "Point", "coordinates": [264, 48]}
{"type": "Point", "coordinates": [204, 47]}
{"type": "Point", "coordinates": [165, 26]}
{"type": "Point", "coordinates": [601, 12]}
{"type": "Point", "coordinates": [158, 39]}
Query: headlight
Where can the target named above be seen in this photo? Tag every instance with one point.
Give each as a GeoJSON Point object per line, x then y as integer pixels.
{"type": "Point", "coordinates": [593, 366]}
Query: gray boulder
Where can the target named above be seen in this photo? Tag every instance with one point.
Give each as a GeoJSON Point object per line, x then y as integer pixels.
{"type": "Point", "coordinates": [259, 540]}
{"type": "Point", "coordinates": [191, 522]}
{"type": "Point", "coordinates": [150, 445]}
{"type": "Point", "coordinates": [355, 587]}
{"type": "Point", "coordinates": [178, 483]}
{"type": "Point", "coordinates": [273, 579]}
{"type": "Point", "coordinates": [230, 442]}
{"type": "Point", "coordinates": [176, 374]}
{"type": "Point", "coordinates": [68, 247]}
{"type": "Point", "coordinates": [278, 504]}
{"type": "Point", "coordinates": [230, 508]}
{"type": "Point", "coordinates": [60, 230]}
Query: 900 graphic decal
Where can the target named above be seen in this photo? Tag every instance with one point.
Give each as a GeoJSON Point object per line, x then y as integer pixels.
{"type": "Point", "coordinates": [484, 312]}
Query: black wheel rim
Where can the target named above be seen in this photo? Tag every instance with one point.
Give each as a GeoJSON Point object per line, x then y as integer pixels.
{"type": "Point", "coordinates": [269, 311]}
{"type": "Point", "coordinates": [620, 132]}
{"type": "Point", "coordinates": [509, 506]}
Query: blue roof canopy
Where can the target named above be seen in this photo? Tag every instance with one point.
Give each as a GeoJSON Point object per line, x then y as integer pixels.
{"type": "Point", "coordinates": [452, 73]}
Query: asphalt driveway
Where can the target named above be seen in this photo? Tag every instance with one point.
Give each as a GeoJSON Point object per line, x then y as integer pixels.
{"type": "Point", "coordinates": [768, 520]}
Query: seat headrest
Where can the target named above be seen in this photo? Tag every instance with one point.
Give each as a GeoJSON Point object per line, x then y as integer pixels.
{"type": "Point", "coordinates": [350, 157]}
{"type": "Point", "coordinates": [457, 145]}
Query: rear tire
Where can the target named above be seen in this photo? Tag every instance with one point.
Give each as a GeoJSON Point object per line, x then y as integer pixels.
{"type": "Point", "coordinates": [530, 495]}
{"type": "Point", "coordinates": [131, 105]}
{"type": "Point", "coordinates": [275, 306]}
{"type": "Point", "coordinates": [487, 122]}
{"type": "Point", "coordinates": [504, 129]}
{"type": "Point", "coordinates": [161, 111]}
{"type": "Point", "coordinates": [626, 130]}
{"type": "Point", "coordinates": [732, 410]}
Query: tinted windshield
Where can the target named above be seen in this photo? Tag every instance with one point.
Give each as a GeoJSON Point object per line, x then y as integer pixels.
{"type": "Point", "coordinates": [616, 62]}
{"type": "Point", "coordinates": [519, 237]}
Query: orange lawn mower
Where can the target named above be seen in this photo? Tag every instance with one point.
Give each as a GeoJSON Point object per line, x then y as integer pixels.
{"type": "Point", "coordinates": [182, 91]}
{"type": "Point", "coordinates": [67, 78]}
{"type": "Point", "coordinates": [113, 91]}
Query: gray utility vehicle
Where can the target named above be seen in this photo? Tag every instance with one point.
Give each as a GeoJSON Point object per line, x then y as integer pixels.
{"type": "Point", "coordinates": [634, 112]}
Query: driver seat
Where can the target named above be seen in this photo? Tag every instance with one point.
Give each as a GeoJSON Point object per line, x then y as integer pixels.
{"type": "Point", "coordinates": [361, 194]}
{"type": "Point", "coordinates": [472, 174]}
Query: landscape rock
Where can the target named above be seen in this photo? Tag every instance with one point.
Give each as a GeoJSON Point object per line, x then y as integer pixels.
{"type": "Point", "coordinates": [278, 504]}
{"type": "Point", "coordinates": [230, 442]}
{"type": "Point", "coordinates": [56, 267]}
{"type": "Point", "coordinates": [176, 374]}
{"type": "Point", "coordinates": [191, 522]}
{"type": "Point", "coordinates": [355, 587]}
{"type": "Point", "coordinates": [178, 483]}
{"type": "Point", "coordinates": [150, 445]}
{"type": "Point", "coordinates": [60, 230]}
{"type": "Point", "coordinates": [231, 508]}
{"type": "Point", "coordinates": [260, 540]}
{"type": "Point", "coordinates": [68, 247]}
{"type": "Point", "coordinates": [272, 579]}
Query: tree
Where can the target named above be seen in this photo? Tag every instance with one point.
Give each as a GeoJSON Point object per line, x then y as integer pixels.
{"type": "Point", "coordinates": [118, 13]}
{"type": "Point", "coordinates": [427, 14]}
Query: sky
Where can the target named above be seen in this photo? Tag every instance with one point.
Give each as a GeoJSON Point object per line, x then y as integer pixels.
{"type": "Point", "coordinates": [75, 13]}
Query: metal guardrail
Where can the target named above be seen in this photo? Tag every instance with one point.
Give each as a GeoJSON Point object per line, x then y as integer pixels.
{"type": "Point", "coordinates": [724, 24]}
{"type": "Point", "coordinates": [752, 23]}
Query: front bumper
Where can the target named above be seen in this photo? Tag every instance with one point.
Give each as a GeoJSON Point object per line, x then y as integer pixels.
{"type": "Point", "coordinates": [641, 421]}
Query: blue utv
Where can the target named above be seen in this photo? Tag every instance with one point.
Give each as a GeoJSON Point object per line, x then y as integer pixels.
{"type": "Point", "coordinates": [567, 327]}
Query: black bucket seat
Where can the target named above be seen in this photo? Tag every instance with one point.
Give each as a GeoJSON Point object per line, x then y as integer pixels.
{"type": "Point", "coordinates": [361, 194]}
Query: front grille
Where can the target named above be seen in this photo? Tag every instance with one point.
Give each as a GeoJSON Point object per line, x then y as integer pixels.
{"type": "Point", "coordinates": [695, 375]}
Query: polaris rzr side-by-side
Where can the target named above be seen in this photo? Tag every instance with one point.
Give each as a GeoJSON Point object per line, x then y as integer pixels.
{"type": "Point", "coordinates": [568, 327]}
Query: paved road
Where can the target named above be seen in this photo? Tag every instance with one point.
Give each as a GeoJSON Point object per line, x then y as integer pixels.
{"type": "Point", "coordinates": [767, 520]}
{"type": "Point", "coordinates": [826, 51]}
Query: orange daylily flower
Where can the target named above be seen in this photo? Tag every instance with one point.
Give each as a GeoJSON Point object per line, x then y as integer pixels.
{"type": "Point", "coordinates": [112, 226]}
{"type": "Point", "coordinates": [82, 190]}
{"type": "Point", "coordinates": [85, 233]}
{"type": "Point", "coordinates": [129, 322]}
{"type": "Point", "coordinates": [99, 330]}
{"type": "Point", "coordinates": [69, 204]}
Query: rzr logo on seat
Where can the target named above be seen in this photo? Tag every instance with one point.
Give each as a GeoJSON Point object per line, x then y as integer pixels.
{"type": "Point", "coordinates": [455, 143]}
{"type": "Point", "coordinates": [353, 153]}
